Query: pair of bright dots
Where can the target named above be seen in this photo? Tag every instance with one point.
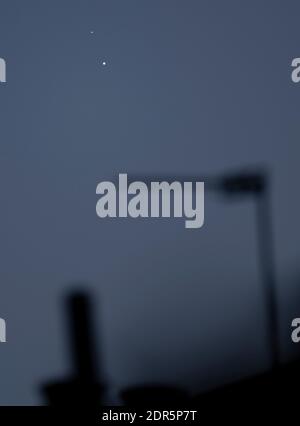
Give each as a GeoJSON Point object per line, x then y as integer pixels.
{"type": "Point", "coordinates": [104, 63]}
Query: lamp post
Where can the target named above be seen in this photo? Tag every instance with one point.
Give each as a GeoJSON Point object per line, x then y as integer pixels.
{"type": "Point", "coordinates": [257, 184]}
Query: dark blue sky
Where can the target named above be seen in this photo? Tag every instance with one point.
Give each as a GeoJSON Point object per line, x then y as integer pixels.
{"type": "Point", "coordinates": [189, 87]}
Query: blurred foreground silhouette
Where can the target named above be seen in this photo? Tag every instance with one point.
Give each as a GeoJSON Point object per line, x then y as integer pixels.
{"type": "Point", "coordinates": [83, 387]}
{"type": "Point", "coordinates": [86, 388]}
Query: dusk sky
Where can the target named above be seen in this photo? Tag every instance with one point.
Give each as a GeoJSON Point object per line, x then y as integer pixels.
{"type": "Point", "coordinates": [149, 88]}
